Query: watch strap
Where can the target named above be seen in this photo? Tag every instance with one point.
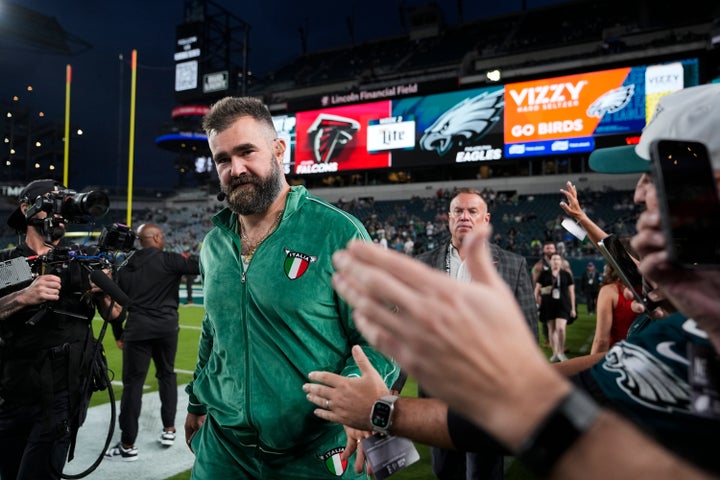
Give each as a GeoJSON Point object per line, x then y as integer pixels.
{"type": "Point", "coordinates": [557, 432]}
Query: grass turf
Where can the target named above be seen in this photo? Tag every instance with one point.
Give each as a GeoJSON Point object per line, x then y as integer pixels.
{"type": "Point", "coordinates": [579, 339]}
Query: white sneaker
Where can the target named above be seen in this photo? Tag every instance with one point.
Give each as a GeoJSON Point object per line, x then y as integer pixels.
{"type": "Point", "coordinates": [118, 452]}
{"type": "Point", "coordinates": [562, 357]}
{"type": "Point", "coordinates": [167, 438]}
{"type": "Point", "coordinates": [553, 359]}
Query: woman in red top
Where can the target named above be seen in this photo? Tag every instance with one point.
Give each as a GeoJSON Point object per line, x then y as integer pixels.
{"type": "Point", "coordinates": [614, 315]}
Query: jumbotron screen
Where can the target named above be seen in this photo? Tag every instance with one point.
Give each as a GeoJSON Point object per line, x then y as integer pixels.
{"type": "Point", "coordinates": [567, 114]}
{"type": "Point", "coordinates": [553, 116]}
{"type": "Point", "coordinates": [338, 139]}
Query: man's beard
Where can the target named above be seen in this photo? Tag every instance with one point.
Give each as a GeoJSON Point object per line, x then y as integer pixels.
{"type": "Point", "coordinates": [259, 197]}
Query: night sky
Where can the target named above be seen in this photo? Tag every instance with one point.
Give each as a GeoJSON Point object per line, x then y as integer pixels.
{"type": "Point", "coordinates": [101, 75]}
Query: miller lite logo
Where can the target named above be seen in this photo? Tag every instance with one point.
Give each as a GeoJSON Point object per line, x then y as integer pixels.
{"type": "Point", "coordinates": [329, 134]}
{"type": "Point", "coordinates": [296, 264]}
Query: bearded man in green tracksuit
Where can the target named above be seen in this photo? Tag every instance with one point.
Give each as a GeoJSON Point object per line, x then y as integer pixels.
{"type": "Point", "coordinates": [271, 314]}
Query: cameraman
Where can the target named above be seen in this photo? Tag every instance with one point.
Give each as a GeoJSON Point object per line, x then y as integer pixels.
{"type": "Point", "coordinates": [45, 332]}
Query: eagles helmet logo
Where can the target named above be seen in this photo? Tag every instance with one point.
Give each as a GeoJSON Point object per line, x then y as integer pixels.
{"type": "Point", "coordinates": [611, 101]}
{"type": "Point", "coordinates": [329, 134]}
{"type": "Point", "coordinates": [647, 380]}
{"type": "Point", "coordinates": [464, 123]}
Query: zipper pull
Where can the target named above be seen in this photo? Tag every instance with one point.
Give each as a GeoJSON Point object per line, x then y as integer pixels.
{"type": "Point", "coordinates": [242, 278]}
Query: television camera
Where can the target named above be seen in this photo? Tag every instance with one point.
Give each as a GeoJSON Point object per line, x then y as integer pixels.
{"type": "Point", "coordinates": [72, 206]}
{"type": "Point", "coordinates": [76, 265]}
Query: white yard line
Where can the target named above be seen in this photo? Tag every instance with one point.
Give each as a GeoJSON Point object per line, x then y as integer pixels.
{"type": "Point", "coordinates": [154, 461]}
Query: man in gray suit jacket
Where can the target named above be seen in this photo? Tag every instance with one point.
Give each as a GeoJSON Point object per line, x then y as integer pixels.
{"type": "Point", "coordinates": [468, 209]}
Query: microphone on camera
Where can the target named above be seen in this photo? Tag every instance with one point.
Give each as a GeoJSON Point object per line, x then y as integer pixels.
{"type": "Point", "coordinates": [108, 286]}
{"type": "Point", "coordinates": [221, 196]}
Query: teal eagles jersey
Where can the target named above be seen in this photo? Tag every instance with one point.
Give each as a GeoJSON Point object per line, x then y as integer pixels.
{"type": "Point", "coordinates": [665, 379]}
{"type": "Point", "coordinates": [268, 325]}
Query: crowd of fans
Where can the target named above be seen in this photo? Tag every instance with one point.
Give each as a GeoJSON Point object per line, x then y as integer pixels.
{"type": "Point", "coordinates": [521, 223]}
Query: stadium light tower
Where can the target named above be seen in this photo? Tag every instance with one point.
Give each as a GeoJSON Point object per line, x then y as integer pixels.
{"type": "Point", "coordinates": [211, 62]}
{"type": "Point", "coordinates": [211, 52]}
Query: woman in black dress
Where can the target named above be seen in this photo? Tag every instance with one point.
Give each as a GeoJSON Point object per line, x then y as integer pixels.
{"type": "Point", "coordinates": [555, 293]}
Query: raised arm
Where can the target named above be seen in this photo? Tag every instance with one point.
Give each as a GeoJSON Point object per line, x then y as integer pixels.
{"type": "Point", "coordinates": [455, 339]}
{"type": "Point", "coordinates": [572, 207]}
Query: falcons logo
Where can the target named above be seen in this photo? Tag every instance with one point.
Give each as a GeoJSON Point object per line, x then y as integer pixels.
{"type": "Point", "coordinates": [329, 134]}
{"type": "Point", "coordinates": [647, 380]}
{"type": "Point", "coordinates": [464, 123]}
{"type": "Point", "coordinates": [612, 101]}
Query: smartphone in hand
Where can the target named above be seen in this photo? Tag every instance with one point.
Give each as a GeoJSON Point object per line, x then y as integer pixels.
{"type": "Point", "coordinates": [626, 268]}
{"type": "Point", "coordinates": [688, 201]}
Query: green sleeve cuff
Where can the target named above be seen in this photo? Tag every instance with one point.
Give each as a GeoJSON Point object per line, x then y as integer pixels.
{"type": "Point", "coordinates": [197, 409]}
{"type": "Point", "coordinates": [194, 405]}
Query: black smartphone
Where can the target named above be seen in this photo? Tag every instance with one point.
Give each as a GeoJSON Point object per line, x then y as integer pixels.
{"type": "Point", "coordinates": [620, 260]}
{"type": "Point", "coordinates": [688, 201]}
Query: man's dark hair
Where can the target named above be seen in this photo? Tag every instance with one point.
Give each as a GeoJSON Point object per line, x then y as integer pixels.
{"type": "Point", "coordinates": [225, 111]}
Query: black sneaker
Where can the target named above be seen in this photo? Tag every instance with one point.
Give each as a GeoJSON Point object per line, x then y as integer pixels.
{"type": "Point", "coordinates": [167, 438]}
{"type": "Point", "coordinates": [118, 452]}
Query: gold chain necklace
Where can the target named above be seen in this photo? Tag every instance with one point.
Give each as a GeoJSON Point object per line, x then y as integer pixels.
{"type": "Point", "coordinates": [248, 249]}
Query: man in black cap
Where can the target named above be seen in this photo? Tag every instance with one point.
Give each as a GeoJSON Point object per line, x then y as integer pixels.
{"type": "Point", "coordinates": [45, 331]}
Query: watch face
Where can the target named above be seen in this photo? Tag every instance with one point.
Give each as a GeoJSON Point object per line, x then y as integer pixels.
{"type": "Point", "coordinates": [381, 415]}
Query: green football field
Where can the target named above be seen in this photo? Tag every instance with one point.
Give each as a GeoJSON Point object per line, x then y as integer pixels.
{"type": "Point", "coordinates": [579, 339]}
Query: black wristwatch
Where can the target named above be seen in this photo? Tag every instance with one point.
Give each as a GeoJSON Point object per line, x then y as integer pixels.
{"type": "Point", "coordinates": [381, 415]}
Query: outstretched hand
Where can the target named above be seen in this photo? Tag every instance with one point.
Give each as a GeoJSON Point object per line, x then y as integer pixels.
{"type": "Point", "coordinates": [350, 399]}
{"type": "Point", "coordinates": [454, 338]}
{"type": "Point", "coordinates": [571, 205]}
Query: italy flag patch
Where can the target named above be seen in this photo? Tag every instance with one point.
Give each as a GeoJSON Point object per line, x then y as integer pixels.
{"type": "Point", "coordinates": [296, 264]}
{"type": "Point", "coordinates": [333, 462]}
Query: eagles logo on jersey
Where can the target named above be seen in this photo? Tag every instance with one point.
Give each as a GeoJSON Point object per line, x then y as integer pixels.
{"type": "Point", "coordinates": [646, 379]}
{"type": "Point", "coordinates": [464, 123]}
{"type": "Point", "coordinates": [329, 134]}
{"type": "Point", "coordinates": [611, 101]}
